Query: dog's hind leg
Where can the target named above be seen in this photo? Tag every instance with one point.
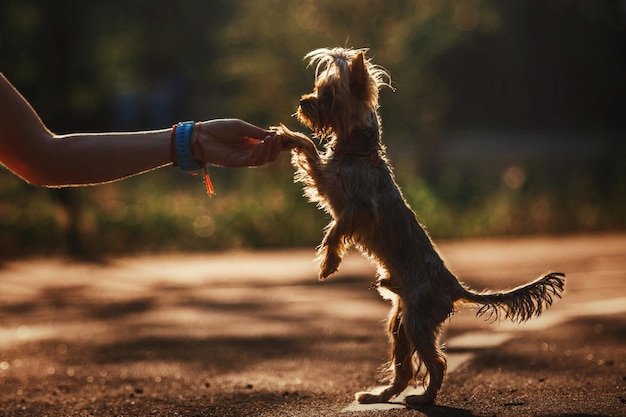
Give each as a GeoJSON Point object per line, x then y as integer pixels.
{"type": "Point", "coordinates": [401, 362]}
{"type": "Point", "coordinates": [426, 343]}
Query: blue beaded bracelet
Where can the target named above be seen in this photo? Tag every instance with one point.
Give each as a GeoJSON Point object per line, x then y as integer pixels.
{"type": "Point", "coordinates": [182, 148]}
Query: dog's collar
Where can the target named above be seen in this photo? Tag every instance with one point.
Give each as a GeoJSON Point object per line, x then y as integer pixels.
{"type": "Point", "coordinates": [361, 143]}
{"type": "Point", "coordinates": [372, 155]}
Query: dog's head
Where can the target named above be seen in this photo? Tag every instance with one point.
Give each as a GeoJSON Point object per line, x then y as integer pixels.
{"type": "Point", "coordinates": [345, 95]}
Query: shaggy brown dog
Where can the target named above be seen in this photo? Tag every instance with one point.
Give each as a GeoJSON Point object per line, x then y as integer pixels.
{"type": "Point", "coordinates": [353, 181]}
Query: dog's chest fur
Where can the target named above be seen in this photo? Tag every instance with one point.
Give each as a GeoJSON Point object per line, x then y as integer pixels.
{"type": "Point", "coordinates": [359, 188]}
{"type": "Point", "coordinates": [355, 173]}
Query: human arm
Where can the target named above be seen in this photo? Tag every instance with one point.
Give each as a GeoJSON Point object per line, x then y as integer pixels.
{"type": "Point", "coordinates": [41, 157]}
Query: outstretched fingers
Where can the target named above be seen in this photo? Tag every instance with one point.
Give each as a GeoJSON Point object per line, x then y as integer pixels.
{"type": "Point", "coordinates": [263, 151]}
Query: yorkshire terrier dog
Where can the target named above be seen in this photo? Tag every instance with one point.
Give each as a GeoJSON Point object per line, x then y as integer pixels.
{"type": "Point", "coordinates": [353, 181]}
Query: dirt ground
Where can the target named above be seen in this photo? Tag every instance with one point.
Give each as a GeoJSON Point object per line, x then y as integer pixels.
{"type": "Point", "coordinates": [255, 334]}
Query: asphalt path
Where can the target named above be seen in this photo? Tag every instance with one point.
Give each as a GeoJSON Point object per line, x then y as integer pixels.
{"type": "Point", "coordinates": [255, 334]}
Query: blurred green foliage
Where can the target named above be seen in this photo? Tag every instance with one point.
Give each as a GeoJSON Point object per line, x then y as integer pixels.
{"type": "Point", "coordinates": [530, 74]}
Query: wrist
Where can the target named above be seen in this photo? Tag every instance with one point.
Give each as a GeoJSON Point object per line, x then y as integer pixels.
{"type": "Point", "coordinates": [181, 147]}
{"type": "Point", "coordinates": [196, 147]}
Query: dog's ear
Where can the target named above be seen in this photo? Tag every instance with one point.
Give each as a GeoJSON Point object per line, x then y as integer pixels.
{"type": "Point", "coordinates": [359, 77]}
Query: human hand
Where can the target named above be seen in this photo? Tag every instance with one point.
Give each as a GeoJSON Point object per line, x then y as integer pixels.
{"type": "Point", "coordinates": [235, 143]}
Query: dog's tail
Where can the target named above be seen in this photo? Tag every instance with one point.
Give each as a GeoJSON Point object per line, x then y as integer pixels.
{"type": "Point", "coordinates": [518, 304]}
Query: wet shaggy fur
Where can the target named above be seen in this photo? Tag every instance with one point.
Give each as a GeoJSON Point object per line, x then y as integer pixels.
{"type": "Point", "coordinates": [352, 180]}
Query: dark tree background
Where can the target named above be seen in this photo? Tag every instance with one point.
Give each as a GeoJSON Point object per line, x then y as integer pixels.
{"type": "Point", "coordinates": [507, 117]}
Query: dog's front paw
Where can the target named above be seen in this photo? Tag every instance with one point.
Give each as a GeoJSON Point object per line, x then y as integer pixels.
{"type": "Point", "coordinates": [293, 140]}
{"type": "Point", "coordinates": [330, 265]}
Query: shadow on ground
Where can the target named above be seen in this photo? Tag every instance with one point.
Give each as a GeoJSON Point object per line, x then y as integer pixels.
{"type": "Point", "coordinates": [258, 335]}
